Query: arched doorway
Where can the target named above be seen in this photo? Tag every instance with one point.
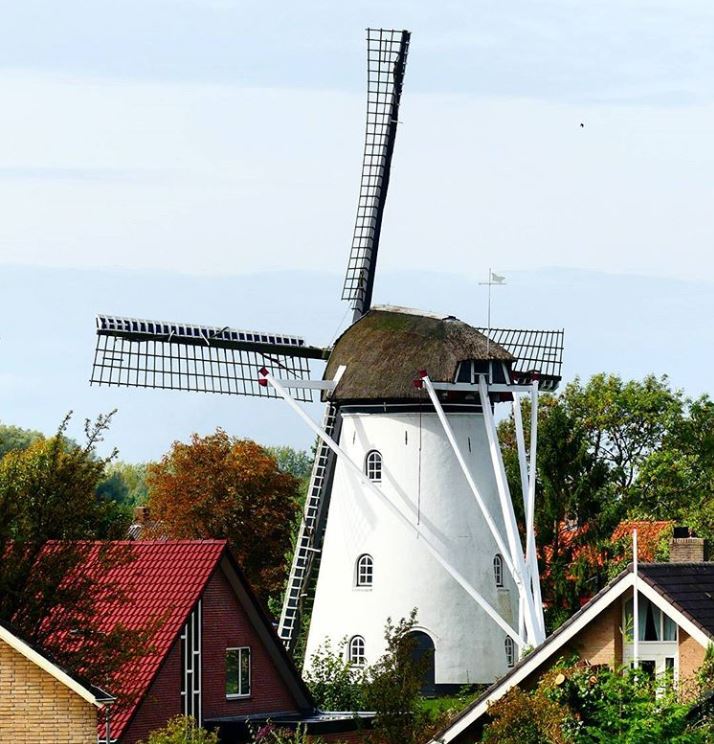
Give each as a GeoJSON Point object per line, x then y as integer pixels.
{"type": "Point", "coordinates": [423, 652]}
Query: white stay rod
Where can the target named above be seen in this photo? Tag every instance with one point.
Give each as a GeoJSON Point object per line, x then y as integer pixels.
{"type": "Point", "coordinates": [327, 439]}
{"type": "Point", "coordinates": [531, 552]}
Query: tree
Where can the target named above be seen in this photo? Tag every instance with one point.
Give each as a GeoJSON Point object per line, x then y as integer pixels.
{"type": "Point", "coordinates": [335, 683]}
{"type": "Point", "coordinates": [124, 485]}
{"type": "Point", "coordinates": [222, 487]}
{"type": "Point", "coordinates": [49, 515]}
{"type": "Point", "coordinates": [394, 689]}
{"type": "Point", "coordinates": [182, 730]}
{"type": "Point", "coordinates": [625, 422]}
{"type": "Point", "coordinates": [296, 462]}
{"type": "Point", "coordinates": [15, 438]}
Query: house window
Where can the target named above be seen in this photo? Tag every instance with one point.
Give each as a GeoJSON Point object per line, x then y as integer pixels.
{"type": "Point", "coordinates": [191, 665]}
{"type": "Point", "coordinates": [373, 466]}
{"type": "Point", "coordinates": [498, 569]}
{"type": "Point", "coordinates": [238, 673]}
{"type": "Point", "coordinates": [654, 625]}
{"type": "Point", "coordinates": [365, 570]}
{"type": "Point", "coordinates": [356, 651]}
{"type": "Point", "coordinates": [510, 648]}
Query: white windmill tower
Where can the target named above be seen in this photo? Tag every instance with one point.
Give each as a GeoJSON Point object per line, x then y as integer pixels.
{"type": "Point", "coordinates": [408, 504]}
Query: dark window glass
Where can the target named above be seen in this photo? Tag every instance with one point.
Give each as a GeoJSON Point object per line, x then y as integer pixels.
{"type": "Point", "coordinates": [238, 671]}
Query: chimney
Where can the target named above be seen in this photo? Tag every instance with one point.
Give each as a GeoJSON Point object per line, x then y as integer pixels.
{"type": "Point", "coordinates": [685, 547]}
{"type": "Point", "coordinates": [141, 514]}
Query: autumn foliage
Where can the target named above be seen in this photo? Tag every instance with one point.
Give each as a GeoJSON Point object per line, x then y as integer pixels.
{"type": "Point", "coordinates": [222, 487]}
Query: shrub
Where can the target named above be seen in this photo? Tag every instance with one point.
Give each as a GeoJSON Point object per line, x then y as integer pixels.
{"type": "Point", "coordinates": [182, 730]}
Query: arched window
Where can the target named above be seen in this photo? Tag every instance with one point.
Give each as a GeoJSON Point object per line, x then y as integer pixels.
{"type": "Point", "coordinates": [357, 655]}
{"type": "Point", "coordinates": [364, 573]}
{"type": "Point", "coordinates": [510, 648]}
{"type": "Point", "coordinates": [373, 466]}
{"type": "Point", "coordinates": [498, 569]}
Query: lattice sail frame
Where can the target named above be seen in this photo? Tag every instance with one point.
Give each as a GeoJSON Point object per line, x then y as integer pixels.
{"type": "Point", "coordinates": [538, 353]}
{"type": "Point", "coordinates": [386, 62]}
{"type": "Point", "coordinates": [131, 352]}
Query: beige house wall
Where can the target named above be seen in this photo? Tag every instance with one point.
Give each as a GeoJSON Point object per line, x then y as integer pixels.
{"type": "Point", "coordinates": [601, 641]}
{"type": "Point", "coordinates": [691, 656]}
{"type": "Point", "coordinates": [35, 707]}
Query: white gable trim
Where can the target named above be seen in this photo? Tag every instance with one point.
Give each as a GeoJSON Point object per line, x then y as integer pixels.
{"type": "Point", "coordinates": [551, 646]}
{"type": "Point", "coordinates": [41, 661]}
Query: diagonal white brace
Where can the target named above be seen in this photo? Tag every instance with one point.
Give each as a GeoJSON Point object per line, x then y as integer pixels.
{"type": "Point", "coordinates": [357, 471]}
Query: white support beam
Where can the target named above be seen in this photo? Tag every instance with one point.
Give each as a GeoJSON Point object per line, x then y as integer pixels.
{"type": "Point", "coordinates": [531, 552]}
{"type": "Point", "coordinates": [497, 387]}
{"type": "Point", "coordinates": [326, 385]}
{"type": "Point", "coordinates": [357, 471]}
{"type": "Point", "coordinates": [535, 634]}
{"type": "Point", "coordinates": [503, 549]}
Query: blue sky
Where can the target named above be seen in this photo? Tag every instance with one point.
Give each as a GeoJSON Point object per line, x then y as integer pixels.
{"type": "Point", "coordinates": [213, 139]}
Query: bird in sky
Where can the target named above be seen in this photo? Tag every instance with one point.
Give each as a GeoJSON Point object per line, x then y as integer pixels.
{"type": "Point", "coordinates": [582, 126]}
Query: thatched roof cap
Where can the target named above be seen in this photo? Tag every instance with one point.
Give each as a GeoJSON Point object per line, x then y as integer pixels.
{"type": "Point", "coordinates": [384, 350]}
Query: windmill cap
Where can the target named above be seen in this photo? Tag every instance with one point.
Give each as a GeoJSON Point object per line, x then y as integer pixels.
{"type": "Point", "coordinates": [383, 351]}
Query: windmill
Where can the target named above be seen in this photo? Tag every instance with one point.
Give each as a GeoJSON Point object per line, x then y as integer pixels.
{"type": "Point", "coordinates": [408, 503]}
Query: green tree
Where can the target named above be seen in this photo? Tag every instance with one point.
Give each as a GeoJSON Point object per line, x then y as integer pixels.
{"type": "Point", "coordinates": [624, 421]}
{"type": "Point", "coordinates": [296, 462]}
{"type": "Point", "coordinates": [49, 514]}
{"type": "Point", "coordinates": [181, 730]}
{"type": "Point", "coordinates": [394, 688]}
{"type": "Point", "coordinates": [15, 438]}
{"type": "Point", "coordinates": [335, 683]}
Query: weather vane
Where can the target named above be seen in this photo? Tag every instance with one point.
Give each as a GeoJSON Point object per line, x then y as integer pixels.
{"type": "Point", "coordinates": [493, 280]}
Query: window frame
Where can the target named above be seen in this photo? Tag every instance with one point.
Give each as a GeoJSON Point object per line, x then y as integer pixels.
{"type": "Point", "coordinates": [664, 623]}
{"type": "Point", "coordinates": [498, 570]}
{"type": "Point", "coordinates": [364, 580]}
{"type": "Point", "coordinates": [240, 695]}
{"type": "Point", "coordinates": [362, 659]}
{"type": "Point", "coordinates": [373, 469]}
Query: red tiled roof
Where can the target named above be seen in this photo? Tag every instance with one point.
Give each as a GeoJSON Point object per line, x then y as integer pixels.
{"type": "Point", "coordinates": [164, 581]}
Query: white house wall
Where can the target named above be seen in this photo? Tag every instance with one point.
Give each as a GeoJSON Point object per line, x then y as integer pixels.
{"type": "Point", "coordinates": [422, 476]}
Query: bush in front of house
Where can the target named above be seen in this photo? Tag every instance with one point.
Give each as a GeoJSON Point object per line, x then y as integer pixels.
{"type": "Point", "coordinates": [579, 704]}
{"type": "Point", "coordinates": [182, 730]}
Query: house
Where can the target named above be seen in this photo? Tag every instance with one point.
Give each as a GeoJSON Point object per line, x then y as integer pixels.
{"type": "Point", "coordinates": [41, 701]}
{"type": "Point", "coordinates": [214, 653]}
{"type": "Point", "coordinates": [676, 626]}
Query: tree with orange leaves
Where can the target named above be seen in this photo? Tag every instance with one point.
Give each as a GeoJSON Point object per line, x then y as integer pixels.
{"type": "Point", "coordinates": [219, 486]}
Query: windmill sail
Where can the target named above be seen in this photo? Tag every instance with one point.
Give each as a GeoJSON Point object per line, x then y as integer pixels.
{"type": "Point", "coordinates": [538, 353]}
{"type": "Point", "coordinates": [386, 62]}
{"type": "Point", "coordinates": [177, 356]}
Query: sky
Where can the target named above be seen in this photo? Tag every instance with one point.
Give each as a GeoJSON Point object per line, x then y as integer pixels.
{"type": "Point", "coordinates": [199, 141]}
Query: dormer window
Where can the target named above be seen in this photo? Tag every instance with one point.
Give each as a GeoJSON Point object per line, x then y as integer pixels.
{"type": "Point", "coordinates": [496, 371]}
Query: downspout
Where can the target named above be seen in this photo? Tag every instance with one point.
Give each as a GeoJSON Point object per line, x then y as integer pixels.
{"type": "Point", "coordinates": [107, 723]}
